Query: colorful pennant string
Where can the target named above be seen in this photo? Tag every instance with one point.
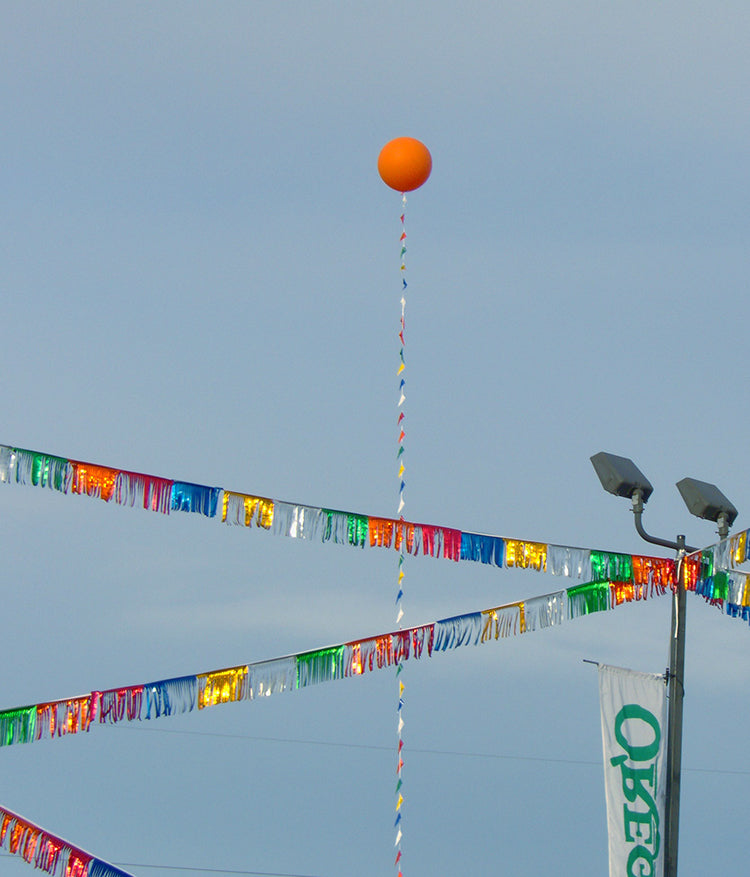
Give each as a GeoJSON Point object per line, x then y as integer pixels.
{"type": "Point", "coordinates": [32, 468]}
{"type": "Point", "coordinates": [726, 588]}
{"type": "Point", "coordinates": [402, 484]}
{"type": "Point", "coordinates": [47, 852]}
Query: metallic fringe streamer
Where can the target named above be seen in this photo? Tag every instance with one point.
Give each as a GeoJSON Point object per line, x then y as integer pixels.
{"type": "Point", "coordinates": [730, 589]}
{"type": "Point", "coordinates": [736, 611]}
{"type": "Point", "coordinates": [636, 575]}
{"type": "Point", "coordinates": [336, 527]}
{"type": "Point", "coordinates": [197, 498]}
{"type": "Point", "coordinates": [222, 686]}
{"type": "Point", "coordinates": [421, 637]}
{"type": "Point", "coordinates": [345, 528]}
{"type": "Point", "coordinates": [440, 542]}
{"type": "Point", "coordinates": [309, 522]}
{"type": "Point", "coordinates": [148, 491]}
{"type": "Point", "coordinates": [7, 464]}
{"type": "Point", "coordinates": [38, 470]}
{"type": "Point", "coordinates": [715, 587]}
{"type": "Point", "coordinates": [461, 630]}
{"type": "Point", "coordinates": [376, 653]}
{"type": "Point", "coordinates": [272, 677]}
{"type": "Point", "coordinates": [65, 717]}
{"type": "Point", "coordinates": [49, 853]}
{"type": "Point", "coordinates": [323, 665]}
{"type": "Point", "coordinates": [250, 681]}
{"type": "Point", "coordinates": [723, 553]}
{"type": "Point", "coordinates": [503, 622]}
{"type": "Point", "coordinates": [656, 573]}
{"type": "Point", "coordinates": [608, 567]}
{"type": "Point", "coordinates": [585, 599]}
{"type": "Point", "coordinates": [451, 544]}
{"type": "Point", "coordinates": [738, 547]}
{"type": "Point", "coordinates": [120, 704]}
{"type": "Point", "coordinates": [242, 509]}
{"type": "Point", "coordinates": [388, 650]}
{"type": "Point", "coordinates": [43, 850]}
{"type": "Point", "coordinates": [689, 571]}
{"type": "Point", "coordinates": [381, 531]}
{"type": "Point", "coordinates": [94, 481]}
{"type": "Point", "coordinates": [545, 611]}
{"type": "Point", "coordinates": [358, 528]}
{"type": "Point", "coordinates": [408, 537]}
{"type": "Point", "coordinates": [739, 589]}
{"type": "Point", "coordinates": [432, 540]}
{"type": "Point", "coordinates": [78, 864]}
{"type": "Point", "coordinates": [571, 562]}
{"type": "Point", "coordinates": [17, 725]}
{"type": "Point", "coordinates": [171, 697]}
{"type": "Point", "coordinates": [483, 549]}
{"type": "Point", "coordinates": [298, 521]}
{"type": "Point", "coordinates": [525, 555]}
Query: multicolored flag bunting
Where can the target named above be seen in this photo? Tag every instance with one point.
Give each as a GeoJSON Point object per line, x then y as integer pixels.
{"type": "Point", "coordinates": [166, 697]}
{"type": "Point", "coordinates": [47, 852]}
{"type": "Point", "coordinates": [713, 570]}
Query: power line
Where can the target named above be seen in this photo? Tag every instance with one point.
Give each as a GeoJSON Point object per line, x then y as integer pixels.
{"type": "Point", "coordinates": [448, 752]}
{"type": "Point", "coordinates": [365, 746]}
{"type": "Point", "coordinates": [192, 868]}
{"type": "Point", "coordinates": [212, 870]}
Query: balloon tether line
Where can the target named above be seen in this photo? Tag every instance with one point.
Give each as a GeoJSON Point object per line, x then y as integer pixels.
{"type": "Point", "coordinates": [404, 164]}
{"type": "Point", "coordinates": [402, 484]}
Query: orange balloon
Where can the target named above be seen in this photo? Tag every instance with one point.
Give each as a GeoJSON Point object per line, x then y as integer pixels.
{"type": "Point", "coordinates": [404, 164]}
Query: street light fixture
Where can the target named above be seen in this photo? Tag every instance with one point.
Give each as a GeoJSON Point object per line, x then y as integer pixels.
{"type": "Point", "coordinates": [706, 501]}
{"type": "Point", "coordinates": [622, 477]}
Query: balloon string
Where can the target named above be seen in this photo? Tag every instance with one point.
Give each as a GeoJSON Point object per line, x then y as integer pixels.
{"type": "Point", "coordinates": [402, 485]}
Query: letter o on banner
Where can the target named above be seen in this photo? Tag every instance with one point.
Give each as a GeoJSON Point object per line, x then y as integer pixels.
{"type": "Point", "coordinates": [635, 712]}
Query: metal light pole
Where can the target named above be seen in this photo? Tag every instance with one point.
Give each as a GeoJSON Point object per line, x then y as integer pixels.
{"type": "Point", "coordinates": [674, 724]}
{"type": "Point", "coordinates": [675, 694]}
{"type": "Point", "coordinates": [621, 476]}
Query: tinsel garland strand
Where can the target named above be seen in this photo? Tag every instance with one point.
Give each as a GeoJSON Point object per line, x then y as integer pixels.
{"type": "Point", "coordinates": [154, 493]}
{"type": "Point", "coordinates": [152, 700]}
{"type": "Point", "coordinates": [47, 852]}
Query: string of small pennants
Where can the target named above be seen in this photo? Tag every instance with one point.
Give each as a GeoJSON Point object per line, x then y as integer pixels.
{"type": "Point", "coordinates": [404, 164]}
{"type": "Point", "coordinates": [33, 468]}
{"type": "Point", "coordinates": [631, 579]}
{"type": "Point", "coordinates": [400, 577]}
{"type": "Point", "coordinates": [47, 852]}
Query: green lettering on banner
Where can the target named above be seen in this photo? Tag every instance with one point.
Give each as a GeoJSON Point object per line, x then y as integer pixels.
{"type": "Point", "coordinates": [638, 753]}
{"type": "Point", "coordinates": [640, 818]}
{"type": "Point", "coordinates": [632, 783]}
{"type": "Point", "coordinates": [639, 784]}
{"type": "Point", "coordinates": [643, 856]}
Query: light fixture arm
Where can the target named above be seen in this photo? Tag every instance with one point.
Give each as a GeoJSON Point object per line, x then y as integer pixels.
{"type": "Point", "coordinates": [679, 545]}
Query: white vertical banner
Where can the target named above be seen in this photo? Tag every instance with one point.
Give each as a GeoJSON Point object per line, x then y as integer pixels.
{"type": "Point", "coordinates": [634, 735]}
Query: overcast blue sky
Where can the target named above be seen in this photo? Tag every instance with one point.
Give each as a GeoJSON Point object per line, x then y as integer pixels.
{"type": "Point", "coordinates": [200, 280]}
